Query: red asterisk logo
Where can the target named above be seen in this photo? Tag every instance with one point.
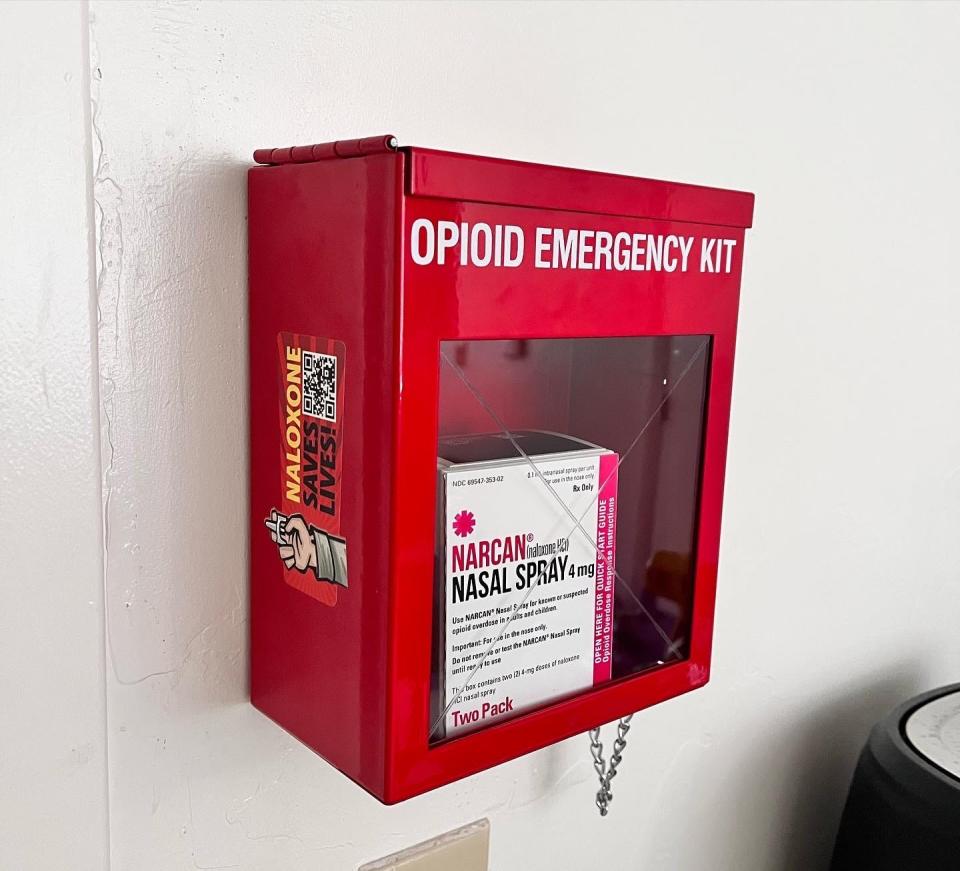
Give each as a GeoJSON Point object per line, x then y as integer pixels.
{"type": "Point", "coordinates": [464, 523]}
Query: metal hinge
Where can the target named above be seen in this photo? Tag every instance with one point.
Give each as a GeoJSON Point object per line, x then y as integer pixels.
{"type": "Point", "coordinates": [326, 150]}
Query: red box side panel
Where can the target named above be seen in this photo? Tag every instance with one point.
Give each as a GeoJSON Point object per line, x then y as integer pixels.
{"type": "Point", "coordinates": [322, 263]}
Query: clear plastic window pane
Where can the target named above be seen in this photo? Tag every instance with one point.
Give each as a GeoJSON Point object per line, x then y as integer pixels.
{"type": "Point", "coordinates": [568, 478]}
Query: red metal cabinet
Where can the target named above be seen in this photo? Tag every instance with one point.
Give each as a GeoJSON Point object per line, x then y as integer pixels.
{"type": "Point", "coordinates": [357, 284]}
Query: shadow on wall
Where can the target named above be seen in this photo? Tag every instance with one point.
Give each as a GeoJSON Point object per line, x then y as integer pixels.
{"type": "Point", "coordinates": [220, 288]}
{"type": "Point", "coordinates": [173, 376]}
{"type": "Point", "coordinates": [824, 756]}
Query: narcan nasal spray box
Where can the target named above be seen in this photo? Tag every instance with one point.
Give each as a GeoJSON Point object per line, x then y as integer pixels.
{"type": "Point", "coordinates": [530, 537]}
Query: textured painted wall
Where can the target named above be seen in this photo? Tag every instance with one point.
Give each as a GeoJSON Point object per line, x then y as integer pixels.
{"type": "Point", "coordinates": [840, 559]}
{"type": "Point", "coordinates": [52, 741]}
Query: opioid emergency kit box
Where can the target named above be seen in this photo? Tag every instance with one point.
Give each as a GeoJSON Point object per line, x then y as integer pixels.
{"type": "Point", "coordinates": [489, 404]}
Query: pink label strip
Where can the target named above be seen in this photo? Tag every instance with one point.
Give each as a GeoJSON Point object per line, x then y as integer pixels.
{"type": "Point", "coordinates": [606, 555]}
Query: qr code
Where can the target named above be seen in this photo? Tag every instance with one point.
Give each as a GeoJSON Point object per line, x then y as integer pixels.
{"type": "Point", "coordinates": [320, 386]}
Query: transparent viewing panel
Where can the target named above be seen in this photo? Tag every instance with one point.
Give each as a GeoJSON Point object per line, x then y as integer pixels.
{"type": "Point", "coordinates": [567, 490]}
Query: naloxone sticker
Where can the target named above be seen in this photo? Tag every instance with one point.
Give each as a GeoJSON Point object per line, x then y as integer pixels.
{"type": "Point", "coordinates": [305, 524]}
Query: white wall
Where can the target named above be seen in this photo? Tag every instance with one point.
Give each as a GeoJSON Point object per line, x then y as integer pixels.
{"type": "Point", "coordinates": [840, 560]}
{"type": "Point", "coordinates": [53, 767]}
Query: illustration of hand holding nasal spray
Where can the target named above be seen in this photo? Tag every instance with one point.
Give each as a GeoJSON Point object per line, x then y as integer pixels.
{"type": "Point", "coordinates": [306, 548]}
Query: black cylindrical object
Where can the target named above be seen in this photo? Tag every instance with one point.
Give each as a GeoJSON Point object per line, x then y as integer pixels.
{"type": "Point", "coordinates": [903, 810]}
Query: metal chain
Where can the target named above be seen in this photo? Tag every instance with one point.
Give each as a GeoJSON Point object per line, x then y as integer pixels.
{"type": "Point", "coordinates": [605, 772]}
